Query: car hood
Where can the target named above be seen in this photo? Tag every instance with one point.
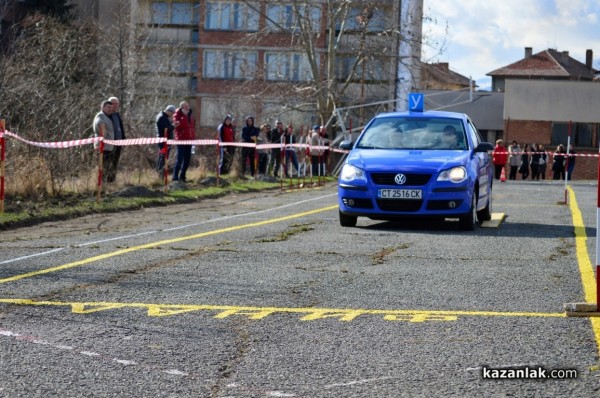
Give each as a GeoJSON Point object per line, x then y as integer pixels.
{"type": "Point", "coordinates": [429, 161]}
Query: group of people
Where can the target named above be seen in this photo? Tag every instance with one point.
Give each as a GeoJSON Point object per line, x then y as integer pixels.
{"type": "Point", "coordinates": [178, 124]}
{"type": "Point", "coordinates": [532, 161]}
{"type": "Point", "coordinates": [270, 159]}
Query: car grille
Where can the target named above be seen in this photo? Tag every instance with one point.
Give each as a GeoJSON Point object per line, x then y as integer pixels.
{"type": "Point", "coordinates": [411, 178]}
{"type": "Point", "coordinates": [399, 205]}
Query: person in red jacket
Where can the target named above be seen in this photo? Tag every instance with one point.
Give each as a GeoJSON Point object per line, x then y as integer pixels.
{"type": "Point", "coordinates": [500, 156]}
{"type": "Point", "coordinates": [184, 130]}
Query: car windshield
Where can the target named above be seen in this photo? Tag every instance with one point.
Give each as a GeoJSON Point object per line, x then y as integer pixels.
{"type": "Point", "coordinates": [414, 133]}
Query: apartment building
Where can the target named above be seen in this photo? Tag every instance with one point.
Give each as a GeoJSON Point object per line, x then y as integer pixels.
{"type": "Point", "coordinates": [266, 58]}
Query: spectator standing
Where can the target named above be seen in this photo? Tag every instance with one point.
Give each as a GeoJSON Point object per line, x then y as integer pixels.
{"type": "Point", "coordinates": [514, 159]}
{"type": "Point", "coordinates": [325, 142]}
{"type": "Point", "coordinates": [535, 162]}
{"type": "Point", "coordinates": [499, 156]}
{"type": "Point", "coordinates": [226, 134]}
{"type": "Point", "coordinates": [103, 126]}
{"type": "Point", "coordinates": [275, 137]}
{"type": "Point", "coordinates": [263, 153]}
{"type": "Point", "coordinates": [249, 135]}
{"type": "Point", "coordinates": [558, 164]}
{"type": "Point", "coordinates": [524, 166]}
{"type": "Point", "coordinates": [315, 153]}
{"type": "Point", "coordinates": [290, 152]}
{"type": "Point", "coordinates": [543, 162]}
{"type": "Point", "coordinates": [163, 122]}
{"type": "Point", "coordinates": [303, 153]}
{"type": "Point", "coordinates": [184, 130]}
{"type": "Point", "coordinates": [119, 132]}
{"type": "Point", "coordinates": [571, 162]}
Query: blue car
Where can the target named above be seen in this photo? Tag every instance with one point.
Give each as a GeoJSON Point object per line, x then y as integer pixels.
{"type": "Point", "coordinates": [417, 165]}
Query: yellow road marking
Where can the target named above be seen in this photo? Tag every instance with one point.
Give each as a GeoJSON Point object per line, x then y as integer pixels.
{"type": "Point", "coordinates": [494, 222]}
{"type": "Point", "coordinates": [583, 259]}
{"type": "Point", "coordinates": [258, 313]}
{"type": "Point", "coordinates": [160, 243]}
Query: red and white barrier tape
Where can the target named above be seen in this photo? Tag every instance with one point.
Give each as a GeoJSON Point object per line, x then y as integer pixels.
{"type": "Point", "coordinates": [59, 144]}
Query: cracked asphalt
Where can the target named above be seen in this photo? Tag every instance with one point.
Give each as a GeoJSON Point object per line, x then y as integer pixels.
{"type": "Point", "coordinates": [265, 295]}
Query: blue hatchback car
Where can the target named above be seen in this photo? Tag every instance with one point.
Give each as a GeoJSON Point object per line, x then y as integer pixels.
{"type": "Point", "coordinates": [417, 165]}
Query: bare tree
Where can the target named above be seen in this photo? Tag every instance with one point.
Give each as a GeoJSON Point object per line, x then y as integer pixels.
{"type": "Point", "coordinates": [44, 83]}
{"type": "Point", "coordinates": [351, 60]}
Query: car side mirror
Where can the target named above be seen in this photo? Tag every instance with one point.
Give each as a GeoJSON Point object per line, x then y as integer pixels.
{"type": "Point", "coordinates": [346, 144]}
{"type": "Point", "coordinates": [484, 147]}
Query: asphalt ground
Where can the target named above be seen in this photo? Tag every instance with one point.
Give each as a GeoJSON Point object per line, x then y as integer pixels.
{"type": "Point", "coordinates": [265, 295]}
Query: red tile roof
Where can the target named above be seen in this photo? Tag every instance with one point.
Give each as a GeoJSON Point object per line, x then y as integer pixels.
{"type": "Point", "coordinates": [548, 63]}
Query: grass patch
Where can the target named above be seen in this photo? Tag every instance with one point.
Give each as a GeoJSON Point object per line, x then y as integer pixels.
{"type": "Point", "coordinates": [285, 235]}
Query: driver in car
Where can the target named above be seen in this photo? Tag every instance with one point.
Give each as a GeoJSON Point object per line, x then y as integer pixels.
{"type": "Point", "coordinates": [450, 138]}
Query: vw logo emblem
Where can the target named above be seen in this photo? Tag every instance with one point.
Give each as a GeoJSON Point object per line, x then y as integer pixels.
{"type": "Point", "coordinates": [400, 179]}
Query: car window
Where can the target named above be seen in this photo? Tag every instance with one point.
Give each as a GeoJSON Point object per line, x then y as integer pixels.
{"type": "Point", "coordinates": [475, 136]}
{"type": "Point", "coordinates": [414, 133]}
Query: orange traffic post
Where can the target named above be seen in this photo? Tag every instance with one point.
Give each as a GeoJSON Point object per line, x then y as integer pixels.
{"type": "Point", "coordinates": [2, 160]}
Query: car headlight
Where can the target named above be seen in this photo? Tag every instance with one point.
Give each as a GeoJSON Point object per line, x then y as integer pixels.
{"type": "Point", "coordinates": [455, 174]}
{"type": "Point", "coordinates": [352, 174]}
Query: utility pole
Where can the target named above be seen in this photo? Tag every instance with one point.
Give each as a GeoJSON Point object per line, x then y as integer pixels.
{"type": "Point", "coordinates": [408, 77]}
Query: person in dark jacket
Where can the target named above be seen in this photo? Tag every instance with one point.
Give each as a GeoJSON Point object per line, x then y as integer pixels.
{"type": "Point", "coordinates": [249, 135]}
{"type": "Point", "coordinates": [275, 138]}
{"type": "Point", "coordinates": [558, 164]}
{"type": "Point", "coordinates": [226, 134]}
{"type": "Point", "coordinates": [524, 167]}
{"type": "Point", "coordinates": [163, 123]}
{"type": "Point", "coordinates": [184, 130]}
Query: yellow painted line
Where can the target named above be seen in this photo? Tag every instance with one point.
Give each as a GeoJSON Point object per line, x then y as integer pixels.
{"type": "Point", "coordinates": [495, 221]}
{"type": "Point", "coordinates": [583, 259]}
{"type": "Point", "coordinates": [162, 242]}
{"type": "Point", "coordinates": [258, 313]}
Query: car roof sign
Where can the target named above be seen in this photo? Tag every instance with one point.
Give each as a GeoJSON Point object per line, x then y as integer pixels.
{"type": "Point", "coordinates": [416, 102]}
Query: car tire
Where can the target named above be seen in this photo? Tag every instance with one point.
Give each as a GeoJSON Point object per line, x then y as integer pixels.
{"type": "Point", "coordinates": [347, 221]}
{"type": "Point", "coordinates": [468, 221]}
{"type": "Point", "coordinates": [486, 213]}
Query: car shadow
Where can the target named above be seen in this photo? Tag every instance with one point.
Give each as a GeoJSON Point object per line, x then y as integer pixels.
{"type": "Point", "coordinates": [506, 229]}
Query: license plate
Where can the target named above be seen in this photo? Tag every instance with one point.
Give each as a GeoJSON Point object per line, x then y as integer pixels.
{"type": "Point", "coordinates": [400, 194]}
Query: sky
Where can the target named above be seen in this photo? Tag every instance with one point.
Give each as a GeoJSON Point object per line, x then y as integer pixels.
{"type": "Point", "coordinates": [479, 36]}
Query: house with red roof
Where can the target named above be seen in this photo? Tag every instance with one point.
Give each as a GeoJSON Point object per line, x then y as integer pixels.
{"type": "Point", "coordinates": [551, 98]}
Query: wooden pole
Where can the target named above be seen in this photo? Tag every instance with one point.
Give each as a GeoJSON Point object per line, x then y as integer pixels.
{"type": "Point", "coordinates": [166, 159]}
{"type": "Point", "coordinates": [2, 160]}
{"type": "Point", "coordinates": [100, 164]}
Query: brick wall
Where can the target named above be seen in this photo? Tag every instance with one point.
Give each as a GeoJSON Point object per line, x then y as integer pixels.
{"type": "Point", "coordinates": [528, 132]}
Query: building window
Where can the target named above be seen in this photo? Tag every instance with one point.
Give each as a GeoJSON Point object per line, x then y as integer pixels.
{"type": "Point", "coordinates": [282, 16]}
{"type": "Point", "coordinates": [287, 67]}
{"type": "Point", "coordinates": [581, 134]}
{"type": "Point", "coordinates": [221, 15]}
{"type": "Point", "coordinates": [374, 69]}
{"type": "Point", "coordinates": [374, 19]}
{"type": "Point", "coordinates": [229, 64]}
{"type": "Point", "coordinates": [175, 13]}
{"type": "Point", "coordinates": [172, 60]}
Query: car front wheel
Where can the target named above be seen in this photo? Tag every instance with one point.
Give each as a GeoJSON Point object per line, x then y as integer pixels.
{"type": "Point", "coordinates": [347, 221]}
{"type": "Point", "coordinates": [468, 221]}
{"type": "Point", "coordinates": [486, 213]}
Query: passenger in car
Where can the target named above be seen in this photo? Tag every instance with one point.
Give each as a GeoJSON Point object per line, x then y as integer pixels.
{"type": "Point", "coordinates": [396, 138]}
